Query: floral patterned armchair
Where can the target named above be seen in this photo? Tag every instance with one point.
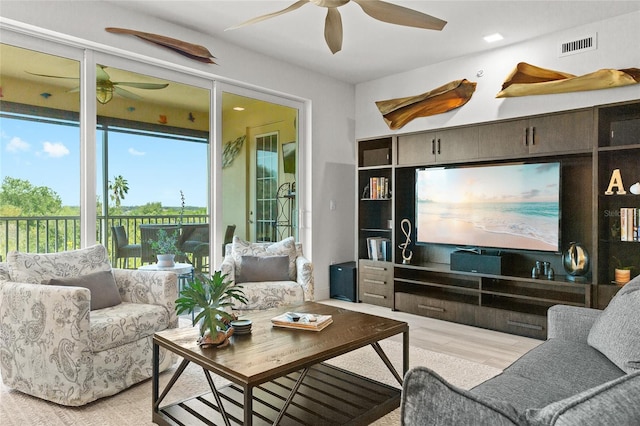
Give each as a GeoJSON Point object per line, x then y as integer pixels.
{"type": "Point", "coordinates": [56, 345]}
{"type": "Point", "coordinates": [268, 281]}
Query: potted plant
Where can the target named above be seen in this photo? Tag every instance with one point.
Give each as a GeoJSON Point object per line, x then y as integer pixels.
{"type": "Point", "coordinates": [165, 246]}
{"type": "Point", "coordinates": [622, 273]}
{"type": "Point", "coordinates": [212, 296]}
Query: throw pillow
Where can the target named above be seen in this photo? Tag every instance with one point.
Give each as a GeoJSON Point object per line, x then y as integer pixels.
{"type": "Point", "coordinates": [616, 332]}
{"type": "Point", "coordinates": [245, 248]}
{"type": "Point", "coordinates": [35, 268]}
{"type": "Point", "coordinates": [104, 291]}
{"type": "Point", "coordinates": [264, 268]}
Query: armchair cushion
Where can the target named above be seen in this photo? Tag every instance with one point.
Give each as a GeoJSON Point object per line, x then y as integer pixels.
{"type": "Point", "coordinates": [104, 292]}
{"type": "Point", "coordinates": [616, 332]}
{"type": "Point", "coordinates": [244, 248]}
{"type": "Point", "coordinates": [263, 268]}
{"type": "Point", "coordinates": [38, 268]}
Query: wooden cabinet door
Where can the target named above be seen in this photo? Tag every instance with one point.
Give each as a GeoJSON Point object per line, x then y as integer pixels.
{"type": "Point", "coordinates": [418, 148]}
{"type": "Point", "coordinates": [567, 132]}
{"type": "Point", "coordinates": [503, 140]}
{"type": "Point", "coordinates": [457, 144]}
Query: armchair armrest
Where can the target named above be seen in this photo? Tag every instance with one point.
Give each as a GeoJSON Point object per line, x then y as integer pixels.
{"type": "Point", "coordinates": [150, 287]}
{"type": "Point", "coordinates": [304, 277]}
{"type": "Point", "coordinates": [570, 322]}
{"type": "Point", "coordinates": [228, 267]}
{"type": "Point", "coordinates": [45, 329]}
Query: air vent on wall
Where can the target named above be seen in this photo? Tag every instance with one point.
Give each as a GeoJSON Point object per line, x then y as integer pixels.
{"type": "Point", "coordinates": [580, 45]}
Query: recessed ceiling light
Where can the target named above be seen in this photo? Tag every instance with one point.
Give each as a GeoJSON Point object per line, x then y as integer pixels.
{"type": "Point", "coordinates": [493, 37]}
{"type": "Point", "coordinates": [238, 108]}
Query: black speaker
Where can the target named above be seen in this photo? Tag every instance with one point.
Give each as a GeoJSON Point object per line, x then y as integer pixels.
{"type": "Point", "coordinates": [481, 263]}
{"type": "Point", "coordinates": [342, 281]}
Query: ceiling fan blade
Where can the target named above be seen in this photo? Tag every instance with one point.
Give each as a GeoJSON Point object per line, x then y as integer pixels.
{"type": "Point", "coordinates": [126, 94]}
{"type": "Point", "coordinates": [52, 76]}
{"type": "Point", "coordinates": [101, 74]}
{"type": "Point", "coordinates": [333, 30]}
{"type": "Point", "coordinates": [152, 86]}
{"type": "Point", "coordinates": [294, 6]}
{"type": "Point", "coordinates": [394, 14]}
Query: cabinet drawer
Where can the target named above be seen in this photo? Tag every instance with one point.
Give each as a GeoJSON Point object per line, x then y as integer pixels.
{"type": "Point", "coordinates": [523, 324]}
{"type": "Point", "coordinates": [375, 294]}
{"type": "Point", "coordinates": [427, 306]}
{"type": "Point", "coordinates": [376, 271]}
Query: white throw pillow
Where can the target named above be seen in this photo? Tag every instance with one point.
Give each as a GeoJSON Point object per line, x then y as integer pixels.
{"type": "Point", "coordinates": [245, 248]}
{"type": "Point", "coordinates": [38, 268]}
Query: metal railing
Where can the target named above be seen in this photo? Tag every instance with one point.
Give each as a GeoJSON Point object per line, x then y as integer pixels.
{"type": "Point", "coordinates": [51, 234]}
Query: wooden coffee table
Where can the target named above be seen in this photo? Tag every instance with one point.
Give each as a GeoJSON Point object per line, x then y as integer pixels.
{"type": "Point", "coordinates": [278, 375]}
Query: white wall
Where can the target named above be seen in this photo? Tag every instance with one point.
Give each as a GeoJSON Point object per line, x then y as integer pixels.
{"type": "Point", "coordinates": [618, 48]}
{"type": "Point", "coordinates": [332, 104]}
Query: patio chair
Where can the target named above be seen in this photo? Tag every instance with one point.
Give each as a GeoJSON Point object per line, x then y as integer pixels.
{"type": "Point", "coordinates": [122, 249]}
{"type": "Point", "coordinates": [194, 241]}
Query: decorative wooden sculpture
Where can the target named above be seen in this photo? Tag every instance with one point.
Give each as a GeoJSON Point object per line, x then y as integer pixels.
{"type": "Point", "coordinates": [400, 111]}
{"type": "Point", "coordinates": [526, 80]}
{"type": "Point", "coordinates": [190, 50]}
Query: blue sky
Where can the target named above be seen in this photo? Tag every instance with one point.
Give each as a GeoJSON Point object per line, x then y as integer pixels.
{"type": "Point", "coordinates": [155, 168]}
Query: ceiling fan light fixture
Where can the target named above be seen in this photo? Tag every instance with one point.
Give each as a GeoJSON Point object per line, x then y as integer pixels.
{"type": "Point", "coordinates": [104, 93]}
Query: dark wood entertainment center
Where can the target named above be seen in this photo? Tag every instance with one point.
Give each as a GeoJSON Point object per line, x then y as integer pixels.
{"type": "Point", "coordinates": [590, 143]}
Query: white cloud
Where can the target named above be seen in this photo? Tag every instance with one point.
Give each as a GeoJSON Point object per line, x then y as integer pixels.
{"type": "Point", "coordinates": [16, 144]}
{"type": "Point", "coordinates": [55, 149]}
{"type": "Point", "coordinates": [132, 151]}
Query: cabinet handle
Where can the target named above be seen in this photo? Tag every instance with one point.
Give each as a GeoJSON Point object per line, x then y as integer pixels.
{"type": "Point", "coordinates": [438, 145]}
{"type": "Point", "coordinates": [524, 325]}
{"type": "Point", "coordinates": [367, 280]}
{"type": "Point", "coordinates": [375, 296]}
{"type": "Point", "coordinates": [431, 308]}
{"type": "Point", "coordinates": [433, 146]}
{"type": "Point", "coordinates": [375, 268]}
{"type": "Point", "coordinates": [533, 135]}
{"type": "Point", "coordinates": [525, 141]}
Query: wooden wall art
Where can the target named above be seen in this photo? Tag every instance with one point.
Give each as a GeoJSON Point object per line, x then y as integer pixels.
{"type": "Point", "coordinates": [526, 80]}
{"type": "Point", "coordinates": [400, 111]}
{"type": "Point", "coordinates": [190, 50]}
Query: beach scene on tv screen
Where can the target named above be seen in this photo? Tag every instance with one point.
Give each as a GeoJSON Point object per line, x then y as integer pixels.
{"type": "Point", "coordinates": [507, 206]}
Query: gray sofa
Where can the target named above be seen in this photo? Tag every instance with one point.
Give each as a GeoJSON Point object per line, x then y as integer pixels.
{"type": "Point", "coordinates": [586, 373]}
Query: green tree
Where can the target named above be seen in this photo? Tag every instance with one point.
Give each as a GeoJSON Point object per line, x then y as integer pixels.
{"type": "Point", "coordinates": [29, 200]}
{"type": "Point", "coordinates": [119, 188]}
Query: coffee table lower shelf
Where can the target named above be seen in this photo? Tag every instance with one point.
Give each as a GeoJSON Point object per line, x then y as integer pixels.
{"type": "Point", "coordinates": [328, 396]}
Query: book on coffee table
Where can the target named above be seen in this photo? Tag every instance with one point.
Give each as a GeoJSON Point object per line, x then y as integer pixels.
{"type": "Point", "coordinates": [304, 321]}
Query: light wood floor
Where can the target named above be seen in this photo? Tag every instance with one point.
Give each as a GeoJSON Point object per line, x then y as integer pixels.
{"type": "Point", "coordinates": [475, 344]}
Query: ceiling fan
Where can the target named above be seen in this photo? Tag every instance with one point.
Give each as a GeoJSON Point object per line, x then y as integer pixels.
{"type": "Point", "coordinates": [105, 88]}
{"type": "Point", "coordinates": [377, 9]}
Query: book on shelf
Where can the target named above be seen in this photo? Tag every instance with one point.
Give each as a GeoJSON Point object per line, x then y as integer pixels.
{"type": "Point", "coordinates": [379, 188]}
{"type": "Point", "coordinates": [629, 221]}
{"type": "Point", "coordinates": [304, 321]}
{"type": "Point", "coordinates": [379, 248]}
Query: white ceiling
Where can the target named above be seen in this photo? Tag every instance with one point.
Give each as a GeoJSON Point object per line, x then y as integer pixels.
{"type": "Point", "coordinates": [373, 49]}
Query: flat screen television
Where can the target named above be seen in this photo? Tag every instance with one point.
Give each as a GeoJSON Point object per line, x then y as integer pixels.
{"type": "Point", "coordinates": [508, 206]}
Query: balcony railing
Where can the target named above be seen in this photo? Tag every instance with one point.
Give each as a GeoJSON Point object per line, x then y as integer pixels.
{"type": "Point", "coordinates": [51, 234]}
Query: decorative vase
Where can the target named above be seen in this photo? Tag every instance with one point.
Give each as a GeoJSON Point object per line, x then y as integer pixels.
{"type": "Point", "coordinates": [576, 262]}
{"type": "Point", "coordinates": [166, 260]}
{"type": "Point", "coordinates": [622, 276]}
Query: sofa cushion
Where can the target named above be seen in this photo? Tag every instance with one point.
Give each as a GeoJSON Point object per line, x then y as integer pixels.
{"type": "Point", "coordinates": [125, 323]}
{"type": "Point", "coordinates": [263, 268]}
{"type": "Point", "coordinates": [550, 372]}
{"type": "Point", "coordinates": [270, 294]}
{"type": "Point", "coordinates": [424, 391]}
{"type": "Point", "coordinates": [35, 268]}
{"type": "Point", "coordinates": [612, 403]}
{"type": "Point", "coordinates": [616, 332]}
{"type": "Point", "coordinates": [104, 291]}
{"type": "Point", "coordinates": [244, 248]}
